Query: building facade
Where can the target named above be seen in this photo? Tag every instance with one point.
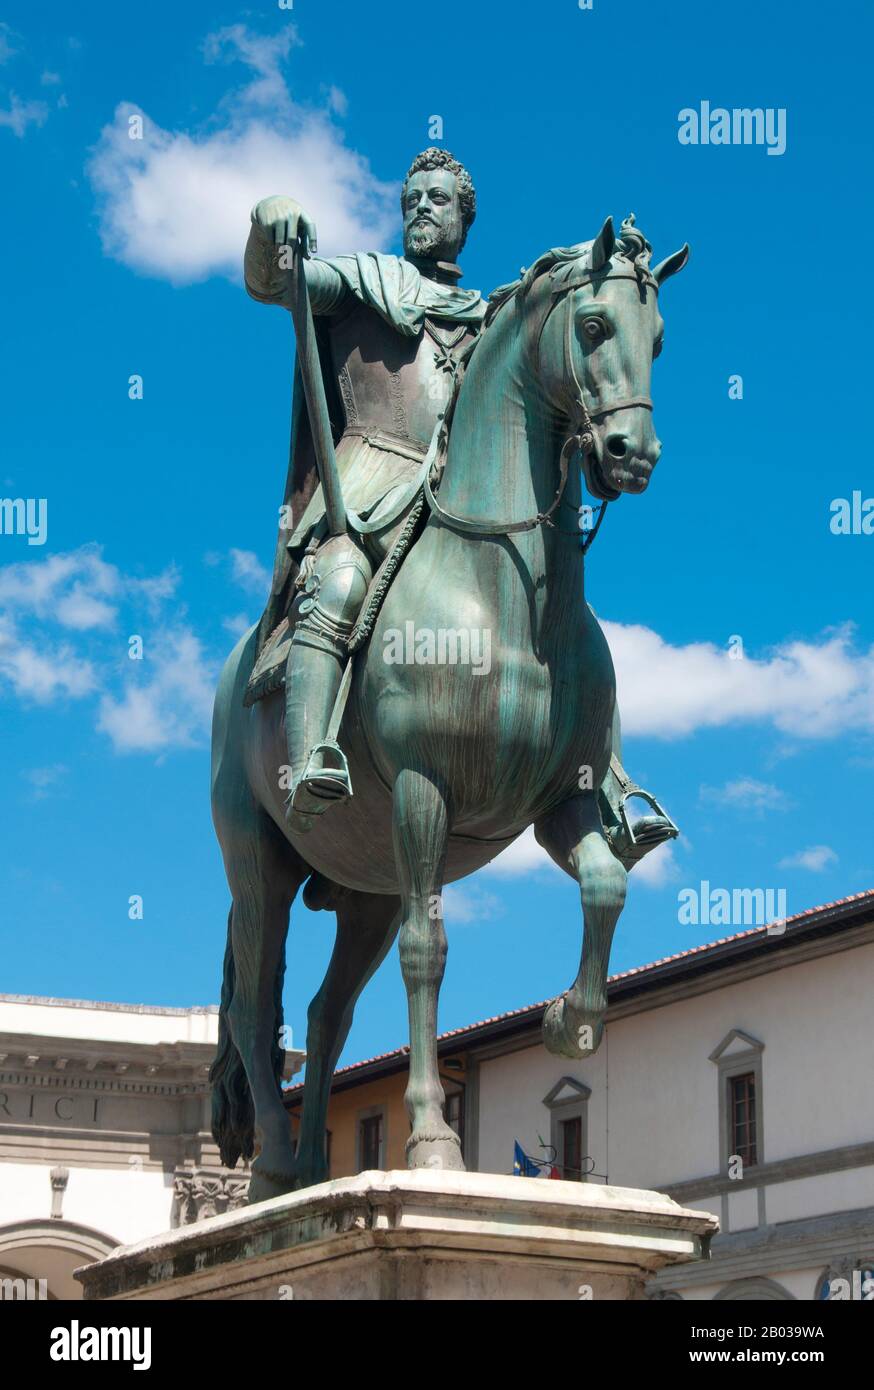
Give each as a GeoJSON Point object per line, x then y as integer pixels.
{"type": "Point", "coordinates": [737, 1077]}
{"type": "Point", "coordinates": [104, 1133]}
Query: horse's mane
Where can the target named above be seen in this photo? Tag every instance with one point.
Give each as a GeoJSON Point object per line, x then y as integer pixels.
{"type": "Point", "coordinates": [631, 245]}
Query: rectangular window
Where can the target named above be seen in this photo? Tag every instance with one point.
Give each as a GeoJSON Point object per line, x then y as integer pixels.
{"type": "Point", "coordinates": [571, 1149]}
{"type": "Point", "coordinates": [742, 1117]}
{"type": "Point", "coordinates": [454, 1114]}
{"type": "Point", "coordinates": [371, 1142]}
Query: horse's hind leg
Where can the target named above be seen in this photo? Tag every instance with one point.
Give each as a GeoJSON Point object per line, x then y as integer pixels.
{"type": "Point", "coordinates": [421, 834]}
{"type": "Point", "coordinates": [367, 924]}
{"type": "Point", "coordinates": [574, 836]}
{"type": "Point", "coordinates": [264, 874]}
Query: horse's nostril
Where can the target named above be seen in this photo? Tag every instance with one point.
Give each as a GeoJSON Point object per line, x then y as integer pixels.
{"type": "Point", "coordinates": [616, 445]}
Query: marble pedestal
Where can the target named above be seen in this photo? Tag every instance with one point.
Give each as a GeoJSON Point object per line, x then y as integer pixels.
{"type": "Point", "coordinates": [425, 1234]}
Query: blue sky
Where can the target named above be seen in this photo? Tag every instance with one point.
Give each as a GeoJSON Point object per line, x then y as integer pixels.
{"type": "Point", "coordinates": [124, 257]}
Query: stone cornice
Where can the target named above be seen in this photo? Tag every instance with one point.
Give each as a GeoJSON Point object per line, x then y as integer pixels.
{"type": "Point", "coordinates": [811, 1242]}
{"type": "Point", "coordinates": [811, 1165]}
{"type": "Point", "coordinates": [103, 1148]}
{"type": "Point", "coordinates": [39, 1051]}
{"type": "Point", "coordinates": [53, 1001]}
{"type": "Point", "coordinates": [88, 1064]}
{"type": "Point", "coordinates": [103, 1083]}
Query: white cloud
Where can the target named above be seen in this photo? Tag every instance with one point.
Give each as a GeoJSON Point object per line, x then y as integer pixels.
{"type": "Point", "coordinates": [236, 624]}
{"type": "Point", "coordinates": [249, 572]}
{"type": "Point", "coordinates": [807, 689]}
{"type": "Point", "coordinates": [470, 904]}
{"type": "Point", "coordinates": [263, 53]}
{"type": "Point", "coordinates": [337, 101]}
{"type": "Point", "coordinates": [44, 779]}
{"type": "Point", "coordinates": [72, 589]}
{"type": "Point", "coordinates": [42, 672]}
{"type": "Point", "coordinates": [21, 114]}
{"type": "Point", "coordinates": [176, 203]}
{"type": "Point", "coordinates": [8, 48]}
{"type": "Point", "coordinates": [746, 794]}
{"type": "Point", "coordinates": [78, 589]}
{"type": "Point", "coordinates": [167, 698]}
{"type": "Point", "coordinates": [526, 857]}
{"type": "Point", "coordinates": [156, 588]}
{"type": "Point", "coordinates": [656, 868]}
{"type": "Point", "coordinates": [150, 705]}
{"type": "Point", "coordinates": [523, 857]}
{"type": "Point", "coordinates": [83, 610]}
{"type": "Point", "coordinates": [817, 858]}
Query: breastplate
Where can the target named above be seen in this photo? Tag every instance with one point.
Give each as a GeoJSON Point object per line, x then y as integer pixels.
{"type": "Point", "coordinates": [390, 382]}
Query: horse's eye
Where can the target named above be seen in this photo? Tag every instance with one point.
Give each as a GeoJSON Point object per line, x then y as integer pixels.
{"type": "Point", "coordinates": [657, 346]}
{"type": "Point", "coordinates": [594, 329]}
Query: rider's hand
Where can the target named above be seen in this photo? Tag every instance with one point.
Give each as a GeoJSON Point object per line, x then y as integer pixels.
{"type": "Point", "coordinates": [285, 223]}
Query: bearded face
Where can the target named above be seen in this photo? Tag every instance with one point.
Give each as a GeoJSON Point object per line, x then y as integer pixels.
{"type": "Point", "coordinates": [433, 226]}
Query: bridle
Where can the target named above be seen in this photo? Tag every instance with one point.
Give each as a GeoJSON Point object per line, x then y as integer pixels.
{"type": "Point", "coordinates": [580, 440]}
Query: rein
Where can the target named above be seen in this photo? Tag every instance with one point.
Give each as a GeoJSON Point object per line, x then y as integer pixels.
{"type": "Point", "coordinates": [581, 439]}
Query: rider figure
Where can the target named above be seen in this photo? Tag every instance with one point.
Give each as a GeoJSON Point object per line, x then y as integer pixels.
{"type": "Point", "coordinates": [391, 333]}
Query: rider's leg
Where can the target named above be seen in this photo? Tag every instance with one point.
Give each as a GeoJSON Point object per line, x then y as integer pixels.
{"type": "Point", "coordinates": [326, 613]}
{"type": "Point", "coordinates": [629, 840]}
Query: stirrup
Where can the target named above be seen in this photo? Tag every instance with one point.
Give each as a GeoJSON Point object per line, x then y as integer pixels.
{"type": "Point", "coordinates": [629, 845]}
{"type": "Point", "coordinates": [671, 830]}
{"type": "Point", "coordinates": [321, 784]}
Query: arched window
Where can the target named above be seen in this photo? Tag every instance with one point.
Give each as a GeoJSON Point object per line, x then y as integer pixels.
{"type": "Point", "coordinates": [38, 1257]}
{"type": "Point", "coordinates": [755, 1291]}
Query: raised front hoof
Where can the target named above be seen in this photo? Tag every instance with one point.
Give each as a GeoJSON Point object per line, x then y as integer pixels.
{"type": "Point", "coordinates": [440, 1149]}
{"type": "Point", "coordinates": [266, 1183]}
{"type": "Point", "coordinates": [571, 1032]}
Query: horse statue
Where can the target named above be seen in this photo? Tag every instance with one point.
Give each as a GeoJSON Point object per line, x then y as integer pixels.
{"type": "Point", "coordinates": [451, 761]}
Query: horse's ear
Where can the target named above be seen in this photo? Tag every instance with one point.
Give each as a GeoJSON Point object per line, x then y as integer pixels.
{"type": "Point", "coordinates": [671, 264]}
{"type": "Point", "coordinates": [602, 246]}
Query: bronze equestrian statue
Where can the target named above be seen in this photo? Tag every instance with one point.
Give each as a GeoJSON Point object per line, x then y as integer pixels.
{"type": "Point", "coordinates": [427, 680]}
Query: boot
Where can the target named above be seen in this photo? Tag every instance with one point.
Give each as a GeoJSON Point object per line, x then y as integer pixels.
{"type": "Point", "coordinates": [320, 773]}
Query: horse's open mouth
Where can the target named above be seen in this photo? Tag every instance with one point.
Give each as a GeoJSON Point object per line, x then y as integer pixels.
{"type": "Point", "coordinates": [596, 482]}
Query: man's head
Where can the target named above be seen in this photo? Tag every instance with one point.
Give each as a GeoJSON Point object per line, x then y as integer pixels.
{"type": "Point", "coordinates": [438, 202]}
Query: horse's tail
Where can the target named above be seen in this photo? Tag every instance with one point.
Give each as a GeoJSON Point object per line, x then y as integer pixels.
{"type": "Point", "coordinates": [233, 1113]}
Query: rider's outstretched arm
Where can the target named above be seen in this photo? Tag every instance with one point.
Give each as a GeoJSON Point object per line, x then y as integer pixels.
{"type": "Point", "coordinates": [275, 224]}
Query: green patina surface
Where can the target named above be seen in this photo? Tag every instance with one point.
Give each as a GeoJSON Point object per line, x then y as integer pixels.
{"type": "Point", "coordinates": [484, 700]}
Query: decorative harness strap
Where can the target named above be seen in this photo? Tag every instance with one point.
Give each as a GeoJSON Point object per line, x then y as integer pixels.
{"type": "Point", "coordinates": [581, 439]}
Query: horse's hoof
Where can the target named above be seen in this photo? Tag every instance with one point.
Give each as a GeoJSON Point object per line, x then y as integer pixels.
{"type": "Point", "coordinates": [310, 1177]}
{"type": "Point", "coordinates": [440, 1149]}
{"type": "Point", "coordinates": [265, 1184]}
{"type": "Point", "coordinates": [571, 1032]}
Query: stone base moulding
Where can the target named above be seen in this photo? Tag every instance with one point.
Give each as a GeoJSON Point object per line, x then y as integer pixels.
{"type": "Point", "coordinates": [419, 1235]}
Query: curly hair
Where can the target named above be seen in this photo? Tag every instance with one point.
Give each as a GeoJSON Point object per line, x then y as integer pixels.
{"type": "Point", "coordinates": [435, 158]}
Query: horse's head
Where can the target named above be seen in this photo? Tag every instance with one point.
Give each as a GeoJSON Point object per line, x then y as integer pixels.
{"type": "Point", "coordinates": [595, 329]}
